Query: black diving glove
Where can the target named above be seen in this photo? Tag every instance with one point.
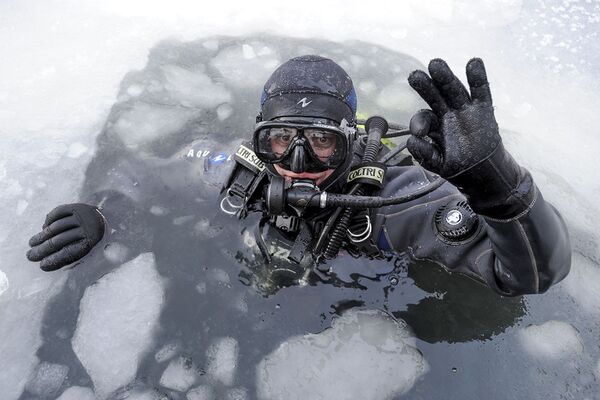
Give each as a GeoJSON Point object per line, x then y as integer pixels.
{"type": "Point", "coordinates": [69, 233]}
{"type": "Point", "coordinates": [458, 139]}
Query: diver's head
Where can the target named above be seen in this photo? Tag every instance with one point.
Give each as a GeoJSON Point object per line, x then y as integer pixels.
{"type": "Point", "coordinates": [306, 128]}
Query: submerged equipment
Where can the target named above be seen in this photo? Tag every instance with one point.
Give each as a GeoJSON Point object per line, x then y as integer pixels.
{"type": "Point", "coordinates": [301, 207]}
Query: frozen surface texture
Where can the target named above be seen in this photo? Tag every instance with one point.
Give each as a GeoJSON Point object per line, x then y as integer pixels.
{"type": "Point", "coordinates": [117, 321]}
{"type": "Point", "coordinates": [372, 354]}
{"type": "Point", "coordinates": [99, 83]}
{"type": "Point", "coordinates": [553, 340]}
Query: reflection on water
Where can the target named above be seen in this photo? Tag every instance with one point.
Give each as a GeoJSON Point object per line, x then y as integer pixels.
{"type": "Point", "coordinates": [221, 332]}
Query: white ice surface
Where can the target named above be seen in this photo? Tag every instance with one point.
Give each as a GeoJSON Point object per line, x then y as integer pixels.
{"type": "Point", "coordinates": [222, 360]}
{"type": "Point", "coordinates": [552, 340]}
{"type": "Point", "coordinates": [583, 284]}
{"type": "Point", "coordinates": [166, 352]}
{"type": "Point", "coordinates": [63, 61]}
{"type": "Point", "coordinates": [374, 356]}
{"type": "Point", "coordinates": [179, 375]}
{"type": "Point", "coordinates": [47, 379]}
{"type": "Point", "coordinates": [118, 316]}
{"type": "Point", "coordinates": [202, 392]}
{"type": "Point", "coordinates": [77, 393]}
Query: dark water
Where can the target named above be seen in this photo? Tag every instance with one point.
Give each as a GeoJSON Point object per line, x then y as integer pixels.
{"type": "Point", "coordinates": [466, 333]}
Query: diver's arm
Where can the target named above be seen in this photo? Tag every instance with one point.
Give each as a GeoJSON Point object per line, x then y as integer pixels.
{"type": "Point", "coordinates": [524, 245]}
{"type": "Point", "coordinates": [529, 247]}
{"type": "Point", "coordinates": [71, 231]}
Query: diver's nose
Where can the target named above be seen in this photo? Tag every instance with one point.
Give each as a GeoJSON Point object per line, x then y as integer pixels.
{"type": "Point", "coordinates": [297, 163]}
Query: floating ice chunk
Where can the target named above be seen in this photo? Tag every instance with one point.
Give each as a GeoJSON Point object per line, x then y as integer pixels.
{"type": "Point", "coordinates": [76, 150]}
{"type": "Point", "coordinates": [201, 287]}
{"type": "Point", "coordinates": [552, 339]}
{"type": "Point", "coordinates": [117, 319]}
{"type": "Point", "coordinates": [202, 392]}
{"type": "Point", "coordinates": [378, 353]}
{"type": "Point", "coordinates": [145, 123]}
{"type": "Point", "coordinates": [77, 393]}
{"type": "Point", "coordinates": [116, 252]}
{"type": "Point", "coordinates": [22, 206]}
{"type": "Point", "coordinates": [219, 276]}
{"type": "Point", "coordinates": [180, 374]}
{"type": "Point", "coordinates": [222, 360]}
{"type": "Point", "coordinates": [158, 211]}
{"type": "Point", "coordinates": [205, 230]}
{"type": "Point", "coordinates": [241, 71]}
{"type": "Point", "coordinates": [3, 283]}
{"type": "Point", "coordinates": [237, 394]}
{"type": "Point", "coordinates": [583, 283]}
{"type": "Point", "coordinates": [240, 303]}
{"type": "Point", "coordinates": [47, 379]}
{"type": "Point", "coordinates": [166, 352]}
{"type": "Point", "coordinates": [194, 88]}
{"type": "Point", "coordinates": [224, 111]}
{"type": "Point", "coordinates": [182, 220]}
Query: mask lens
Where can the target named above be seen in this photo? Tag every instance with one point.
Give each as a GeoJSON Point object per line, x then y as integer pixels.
{"type": "Point", "coordinates": [325, 148]}
{"type": "Point", "coordinates": [323, 144]}
{"type": "Point", "coordinates": [274, 142]}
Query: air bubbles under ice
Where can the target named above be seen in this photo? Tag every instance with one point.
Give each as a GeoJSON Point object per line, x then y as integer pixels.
{"type": "Point", "coordinates": [378, 352]}
{"type": "Point", "coordinates": [22, 206]}
{"type": "Point", "coordinates": [77, 393]}
{"type": "Point", "coordinates": [551, 340]}
{"type": "Point", "coordinates": [47, 379]}
{"type": "Point", "coordinates": [179, 375]}
{"type": "Point", "coordinates": [116, 324]}
{"type": "Point", "coordinates": [222, 360]}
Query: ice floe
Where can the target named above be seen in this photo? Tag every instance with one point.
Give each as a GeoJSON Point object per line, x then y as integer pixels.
{"type": "Point", "coordinates": [555, 340]}
{"type": "Point", "coordinates": [222, 360]}
{"type": "Point", "coordinates": [373, 355]}
{"type": "Point", "coordinates": [118, 317]}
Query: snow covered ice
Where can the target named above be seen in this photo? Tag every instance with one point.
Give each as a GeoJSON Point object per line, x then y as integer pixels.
{"type": "Point", "coordinates": [552, 340]}
{"type": "Point", "coordinates": [372, 354]}
{"type": "Point", "coordinates": [117, 321]}
{"type": "Point", "coordinates": [222, 360]}
{"type": "Point", "coordinates": [179, 375]}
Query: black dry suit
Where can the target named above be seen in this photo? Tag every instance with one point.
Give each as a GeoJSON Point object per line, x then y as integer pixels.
{"type": "Point", "coordinates": [487, 219]}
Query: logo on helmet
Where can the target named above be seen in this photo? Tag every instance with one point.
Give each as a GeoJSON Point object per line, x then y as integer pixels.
{"type": "Point", "coordinates": [303, 102]}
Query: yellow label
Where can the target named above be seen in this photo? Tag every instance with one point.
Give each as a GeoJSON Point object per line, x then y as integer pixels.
{"type": "Point", "coordinates": [248, 155]}
{"type": "Point", "coordinates": [374, 173]}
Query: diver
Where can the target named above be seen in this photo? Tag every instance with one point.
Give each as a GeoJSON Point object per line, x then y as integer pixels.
{"type": "Point", "coordinates": [321, 184]}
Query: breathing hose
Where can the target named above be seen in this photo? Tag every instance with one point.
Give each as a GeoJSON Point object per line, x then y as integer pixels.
{"type": "Point", "coordinates": [376, 127]}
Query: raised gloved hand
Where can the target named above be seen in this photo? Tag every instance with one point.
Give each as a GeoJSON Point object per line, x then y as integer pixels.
{"type": "Point", "coordinates": [69, 233]}
{"type": "Point", "coordinates": [459, 140]}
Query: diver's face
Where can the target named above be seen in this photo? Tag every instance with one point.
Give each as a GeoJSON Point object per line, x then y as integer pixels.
{"type": "Point", "coordinates": [318, 177]}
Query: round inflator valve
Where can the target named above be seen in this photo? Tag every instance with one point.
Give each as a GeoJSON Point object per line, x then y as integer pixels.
{"type": "Point", "coordinates": [456, 220]}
